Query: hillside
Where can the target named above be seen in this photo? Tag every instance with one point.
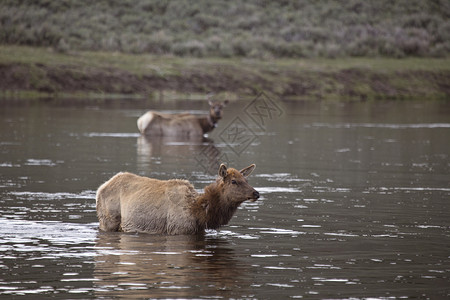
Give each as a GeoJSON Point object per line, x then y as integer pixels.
{"type": "Point", "coordinates": [242, 28]}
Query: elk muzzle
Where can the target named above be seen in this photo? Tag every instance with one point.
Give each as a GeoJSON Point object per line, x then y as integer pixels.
{"type": "Point", "coordinates": [255, 196]}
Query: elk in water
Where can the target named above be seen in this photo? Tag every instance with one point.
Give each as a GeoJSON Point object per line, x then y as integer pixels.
{"type": "Point", "coordinates": [154, 123]}
{"type": "Point", "coordinates": [132, 203]}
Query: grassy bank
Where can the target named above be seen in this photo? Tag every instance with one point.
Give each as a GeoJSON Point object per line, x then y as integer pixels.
{"type": "Point", "coordinates": [42, 71]}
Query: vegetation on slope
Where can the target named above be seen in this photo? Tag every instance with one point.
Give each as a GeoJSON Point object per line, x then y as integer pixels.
{"type": "Point", "coordinates": [242, 28]}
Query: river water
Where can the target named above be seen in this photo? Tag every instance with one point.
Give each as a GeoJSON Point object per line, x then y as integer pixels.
{"type": "Point", "coordinates": [354, 201]}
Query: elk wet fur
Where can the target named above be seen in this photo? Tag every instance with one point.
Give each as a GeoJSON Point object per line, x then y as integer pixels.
{"type": "Point", "coordinates": [132, 203]}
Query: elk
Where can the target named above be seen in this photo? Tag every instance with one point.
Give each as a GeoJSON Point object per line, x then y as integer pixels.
{"type": "Point", "coordinates": [132, 203]}
{"type": "Point", "coordinates": [154, 123]}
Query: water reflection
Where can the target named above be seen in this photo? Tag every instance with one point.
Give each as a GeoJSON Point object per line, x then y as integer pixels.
{"type": "Point", "coordinates": [169, 266]}
{"type": "Point", "coordinates": [166, 150]}
{"type": "Point", "coordinates": [171, 146]}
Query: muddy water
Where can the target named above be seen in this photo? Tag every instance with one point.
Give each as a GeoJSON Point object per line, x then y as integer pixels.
{"type": "Point", "coordinates": [354, 201]}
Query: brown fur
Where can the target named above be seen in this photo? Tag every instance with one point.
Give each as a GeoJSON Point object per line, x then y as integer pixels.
{"type": "Point", "coordinates": [153, 123]}
{"type": "Point", "coordinates": [132, 203]}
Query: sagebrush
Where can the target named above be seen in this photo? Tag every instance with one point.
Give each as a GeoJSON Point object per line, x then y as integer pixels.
{"type": "Point", "coordinates": [245, 28]}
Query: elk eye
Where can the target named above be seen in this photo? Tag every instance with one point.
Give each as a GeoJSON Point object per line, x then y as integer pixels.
{"type": "Point", "coordinates": [233, 181]}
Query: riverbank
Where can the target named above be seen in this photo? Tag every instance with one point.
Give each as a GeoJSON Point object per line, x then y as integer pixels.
{"type": "Point", "coordinates": [42, 72]}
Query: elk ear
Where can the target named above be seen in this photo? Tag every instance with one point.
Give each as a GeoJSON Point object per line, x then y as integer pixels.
{"type": "Point", "coordinates": [223, 171]}
{"type": "Point", "coordinates": [210, 103]}
{"type": "Point", "coordinates": [247, 171]}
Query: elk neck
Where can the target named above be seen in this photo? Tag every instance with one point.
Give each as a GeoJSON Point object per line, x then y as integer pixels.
{"type": "Point", "coordinates": [212, 209]}
{"type": "Point", "coordinates": [208, 123]}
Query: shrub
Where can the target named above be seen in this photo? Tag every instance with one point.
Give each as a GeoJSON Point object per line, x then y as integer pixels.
{"type": "Point", "coordinates": [247, 28]}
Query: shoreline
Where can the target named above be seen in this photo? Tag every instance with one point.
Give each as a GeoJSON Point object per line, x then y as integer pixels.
{"type": "Point", "coordinates": [32, 72]}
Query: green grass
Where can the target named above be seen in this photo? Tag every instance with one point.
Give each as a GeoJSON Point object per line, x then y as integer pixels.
{"type": "Point", "coordinates": [375, 64]}
{"type": "Point", "coordinates": [168, 65]}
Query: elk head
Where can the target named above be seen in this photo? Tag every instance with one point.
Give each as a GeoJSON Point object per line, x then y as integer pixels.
{"type": "Point", "coordinates": [235, 186]}
{"type": "Point", "coordinates": [215, 109]}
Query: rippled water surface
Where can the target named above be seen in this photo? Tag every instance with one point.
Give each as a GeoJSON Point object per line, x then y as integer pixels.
{"type": "Point", "coordinates": [354, 201]}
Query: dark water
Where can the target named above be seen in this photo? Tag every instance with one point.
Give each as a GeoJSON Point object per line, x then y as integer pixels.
{"type": "Point", "coordinates": [355, 201]}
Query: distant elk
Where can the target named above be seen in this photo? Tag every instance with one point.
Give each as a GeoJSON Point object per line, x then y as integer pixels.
{"type": "Point", "coordinates": [132, 203]}
{"type": "Point", "coordinates": [154, 123]}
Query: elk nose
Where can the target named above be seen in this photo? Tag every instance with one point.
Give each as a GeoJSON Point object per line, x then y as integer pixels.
{"type": "Point", "coordinates": [256, 194]}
